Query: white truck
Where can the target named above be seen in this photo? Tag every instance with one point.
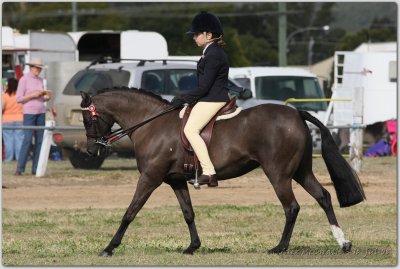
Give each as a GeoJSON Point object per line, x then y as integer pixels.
{"type": "Point", "coordinates": [281, 85]}
{"type": "Point", "coordinates": [278, 84]}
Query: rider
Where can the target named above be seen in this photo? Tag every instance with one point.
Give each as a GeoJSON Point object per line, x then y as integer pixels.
{"type": "Point", "coordinates": [211, 93]}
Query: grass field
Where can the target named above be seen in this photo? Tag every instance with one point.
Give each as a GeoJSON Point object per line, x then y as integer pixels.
{"type": "Point", "coordinates": [232, 235]}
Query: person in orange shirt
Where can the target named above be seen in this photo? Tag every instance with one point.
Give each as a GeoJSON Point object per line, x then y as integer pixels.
{"type": "Point", "coordinates": [12, 116]}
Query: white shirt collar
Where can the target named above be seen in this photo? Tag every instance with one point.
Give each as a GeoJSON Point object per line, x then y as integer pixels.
{"type": "Point", "coordinates": [204, 50]}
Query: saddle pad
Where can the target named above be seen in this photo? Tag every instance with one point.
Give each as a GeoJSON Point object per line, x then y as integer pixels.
{"type": "Point", "coordinates": [221, 117]}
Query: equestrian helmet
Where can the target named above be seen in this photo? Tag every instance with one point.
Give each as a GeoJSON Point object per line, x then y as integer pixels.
{"type": "Point", "coordinates": [206, 22]}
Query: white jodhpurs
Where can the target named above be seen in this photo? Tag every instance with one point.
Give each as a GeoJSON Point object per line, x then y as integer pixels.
{"type": "Point", "coordinates": [201, 114]}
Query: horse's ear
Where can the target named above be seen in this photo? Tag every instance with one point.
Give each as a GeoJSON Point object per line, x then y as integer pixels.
{"type": "Point", "coordinates": [85, 96]}
{"type": "Point", "coordinates": [86, 99]}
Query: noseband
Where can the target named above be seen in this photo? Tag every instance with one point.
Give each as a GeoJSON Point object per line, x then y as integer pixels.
{"type": "Point", "coordinates": [117, 134]}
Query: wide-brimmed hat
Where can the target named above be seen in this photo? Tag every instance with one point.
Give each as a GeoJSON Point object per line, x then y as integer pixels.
{"type": "Point", "coordinates": [36, 62]}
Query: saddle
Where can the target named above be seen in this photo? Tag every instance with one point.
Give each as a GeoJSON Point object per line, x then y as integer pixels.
{"type": "Point", "coordinates": [191, 162]}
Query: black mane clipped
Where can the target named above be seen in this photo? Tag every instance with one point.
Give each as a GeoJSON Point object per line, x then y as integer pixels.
{"type": "Point", "coordinates": [140, 91]}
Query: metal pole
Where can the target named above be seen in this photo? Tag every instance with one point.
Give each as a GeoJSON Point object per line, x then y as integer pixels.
{"type": "Point", "coordinates": [310, 51]}
{"type": "Point", "coordinates": [282, 34]}
{"type": "Point", "coordinates": [74, 17]}
{"type": "Point", "coordinates": [356, 133]}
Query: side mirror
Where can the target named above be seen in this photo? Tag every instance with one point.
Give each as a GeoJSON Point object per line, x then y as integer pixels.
{"type": "Point", "coordinates": [245, 94]}
{"type": "Point", "coordinates": [240, 92]}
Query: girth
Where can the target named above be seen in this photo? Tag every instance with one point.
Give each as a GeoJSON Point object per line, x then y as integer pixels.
{"type": "Point", "coordinates": [191, 162]}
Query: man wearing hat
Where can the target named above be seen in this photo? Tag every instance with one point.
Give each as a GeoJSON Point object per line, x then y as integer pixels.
{"type": "Point", "coordinates": [32, 95]}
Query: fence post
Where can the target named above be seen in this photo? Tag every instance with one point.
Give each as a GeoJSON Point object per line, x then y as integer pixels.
{"type": "Point", "coordinates": [356, 131]}
{"type": "Point", "coordinates": [45, 149]}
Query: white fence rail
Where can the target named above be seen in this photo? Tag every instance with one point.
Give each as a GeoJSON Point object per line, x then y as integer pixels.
{"type": "Point", "coordinates": [47, 140]}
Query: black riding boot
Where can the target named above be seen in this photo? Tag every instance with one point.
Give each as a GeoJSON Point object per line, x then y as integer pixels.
{"type": "Point", "coordinates": [211, 181]}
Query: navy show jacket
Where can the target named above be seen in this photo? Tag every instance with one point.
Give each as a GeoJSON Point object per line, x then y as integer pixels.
{"type": "Point", "coordinates": [212, 77]}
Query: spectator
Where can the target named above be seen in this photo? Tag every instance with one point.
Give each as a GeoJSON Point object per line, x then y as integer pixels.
{"type": "Point", "coordinates": [12, 116]}
{"type": "Point", "coordinates": [33, 96]}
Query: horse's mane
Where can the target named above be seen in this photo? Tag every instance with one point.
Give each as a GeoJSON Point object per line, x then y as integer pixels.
{"type": "Point", "coordinates": [139, 91]}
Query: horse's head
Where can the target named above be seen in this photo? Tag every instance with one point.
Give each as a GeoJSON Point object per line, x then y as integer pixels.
{"type": "Point", "coordinates": [97, 126]}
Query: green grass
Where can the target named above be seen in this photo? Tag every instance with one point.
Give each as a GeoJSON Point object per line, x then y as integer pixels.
{"type": "Point", "coordinates": [231, 236]}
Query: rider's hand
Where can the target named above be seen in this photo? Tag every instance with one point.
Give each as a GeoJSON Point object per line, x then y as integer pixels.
{"type": "Point", "coordinates": [178, 102]}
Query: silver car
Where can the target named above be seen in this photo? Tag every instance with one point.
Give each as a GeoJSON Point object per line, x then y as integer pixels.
{"type": "Point", "coordinates": [165, 77]}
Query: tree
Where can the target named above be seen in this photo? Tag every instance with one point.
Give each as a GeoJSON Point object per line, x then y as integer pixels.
{"type": "Point", "coordinates": [251, 28]}
{"type": "Point", "coordinates": [352, 41]}
{"type": "Point", "coordinates": [234, 49]}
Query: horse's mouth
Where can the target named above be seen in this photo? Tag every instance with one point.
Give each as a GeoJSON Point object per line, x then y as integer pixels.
{"type": "Point", "coordinates": [97, 151]}
{"type": "Point", "coordinates": [92, 154]}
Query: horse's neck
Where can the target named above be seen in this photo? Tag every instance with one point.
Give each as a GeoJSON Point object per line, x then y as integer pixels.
{"type": "Point", "coordinates": [134, 108]}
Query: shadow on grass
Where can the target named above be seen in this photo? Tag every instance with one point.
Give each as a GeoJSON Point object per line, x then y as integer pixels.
{"type": "Point", "coordinates": [201, 250]}
{"type": "Point", "coordinates": [123, 168]}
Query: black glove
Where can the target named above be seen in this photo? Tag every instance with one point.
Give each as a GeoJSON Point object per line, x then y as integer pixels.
{"type": "Point", "coordinates": [178, 102]}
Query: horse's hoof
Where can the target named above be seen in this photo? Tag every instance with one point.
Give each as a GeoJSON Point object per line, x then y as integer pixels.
{"type": "Point", "coordinates": [277, 249]}
{"type": "Point", "coordinates": [188, 252]}
{"type": "Point", "coordinates": [105, 254]}
{"type": "Point", "coordinates": [346, 246]}
{"type": "Point", "coordinates": [191, 249]}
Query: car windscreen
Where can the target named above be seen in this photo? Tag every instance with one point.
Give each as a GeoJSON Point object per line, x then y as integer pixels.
{"type": "Point", "coordinates": [174, 81]}
{"type": "Point", "coordinates": [285, 87]}
{"type": "Point", "coordinates": [169, 81]}
{"type": "Point", "coordinates": [91, 81]}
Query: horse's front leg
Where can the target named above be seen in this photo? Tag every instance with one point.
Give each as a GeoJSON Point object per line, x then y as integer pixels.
{"type": "Point", "coordinates": [143, 191]}
{"type": "Point", "coordinates": [182, 193]}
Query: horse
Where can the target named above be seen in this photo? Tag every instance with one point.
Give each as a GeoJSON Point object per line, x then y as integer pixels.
{"type": "Point", "coordinates": [273, 137]}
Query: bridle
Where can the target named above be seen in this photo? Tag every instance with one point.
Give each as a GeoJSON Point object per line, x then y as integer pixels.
{"type": "Point", "coordinates": [107, 140]}
{"type": "Point", "coordinates": [94, 116]}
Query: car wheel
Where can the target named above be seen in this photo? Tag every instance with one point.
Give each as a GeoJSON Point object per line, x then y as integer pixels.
{"type": "Point", "coordinates": [82, 160]}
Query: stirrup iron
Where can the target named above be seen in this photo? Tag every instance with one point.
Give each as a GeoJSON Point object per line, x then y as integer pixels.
{"type": "Point", "coordinates": [196, 184]}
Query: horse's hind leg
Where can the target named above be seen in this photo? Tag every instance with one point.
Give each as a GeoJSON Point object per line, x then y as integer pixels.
{"type": "Point", "coordinates": [283, 189]}
{"type": "Point", "coordinates": [144, 189]}
{"type": "Point", "coordinates": [323, 197]}
{"type": "Point", "coordinates": [182, 193]}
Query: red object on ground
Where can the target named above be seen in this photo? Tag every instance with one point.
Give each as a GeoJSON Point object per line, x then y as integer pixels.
{"type": "Point", "coordinates": [394, 148]}
{"type": "Point", "coordinates": [391, 127]}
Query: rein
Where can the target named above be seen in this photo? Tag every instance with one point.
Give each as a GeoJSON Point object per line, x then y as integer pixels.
{"type": "Point", "coordinates": [118, 134]}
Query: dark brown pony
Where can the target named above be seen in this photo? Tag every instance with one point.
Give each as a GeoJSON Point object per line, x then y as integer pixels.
{"type": "Point", "coordinates": [274, 137]}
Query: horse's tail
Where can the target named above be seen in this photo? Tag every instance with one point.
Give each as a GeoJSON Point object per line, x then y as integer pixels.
{"type": "Point", "coordinates": [345, 180]}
